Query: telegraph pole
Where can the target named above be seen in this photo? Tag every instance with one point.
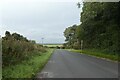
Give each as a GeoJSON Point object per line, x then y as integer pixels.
{"type": "Point", "coordinates": [42, 40]}
{"type": "Point", "coordinates": [81, 44]}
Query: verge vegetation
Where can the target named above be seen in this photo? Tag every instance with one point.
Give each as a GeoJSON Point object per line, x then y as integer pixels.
{"type": "Point", "coordinates": [22, 58]}
{"type": "Point", "coordinates": [97, 53]}
{"type": "Point", "coordinates": [28, 68]}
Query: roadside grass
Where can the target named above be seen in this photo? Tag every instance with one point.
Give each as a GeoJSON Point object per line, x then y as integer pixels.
{"type": "Point", "coordinates": [97, 53]}
{"type": "Point", "coordinates": [28, 68]}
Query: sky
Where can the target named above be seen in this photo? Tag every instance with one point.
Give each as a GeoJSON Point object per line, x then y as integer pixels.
{"type": "Point", "coordinates": [37, 19]}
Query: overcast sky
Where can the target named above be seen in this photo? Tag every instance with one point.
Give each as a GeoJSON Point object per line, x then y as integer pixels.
{"type": "Point", "coordinates": [36, 19]}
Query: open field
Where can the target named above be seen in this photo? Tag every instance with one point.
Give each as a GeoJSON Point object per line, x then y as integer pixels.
{"type": "Point", "coordinates": [53, 45]}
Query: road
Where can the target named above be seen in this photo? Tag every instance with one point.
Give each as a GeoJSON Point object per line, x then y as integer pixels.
{"type": "Point", "coordinates": [65, 64]}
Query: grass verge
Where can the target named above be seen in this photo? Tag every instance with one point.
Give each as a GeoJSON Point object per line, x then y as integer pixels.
{"type": "Point", "coordinates": [97, 53]}
{"type": "Point", "coordinates": [28, 68]}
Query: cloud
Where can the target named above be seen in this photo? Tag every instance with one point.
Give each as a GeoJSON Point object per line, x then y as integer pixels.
{"type": "Point", "coordinates": [35, 19]}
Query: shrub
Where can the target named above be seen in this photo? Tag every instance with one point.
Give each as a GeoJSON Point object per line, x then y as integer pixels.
{"type": "Point", "coordinates": [16, 48]}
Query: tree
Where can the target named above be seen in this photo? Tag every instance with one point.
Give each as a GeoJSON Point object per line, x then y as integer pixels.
{"type": "Point", "coordinates": [71, 37]}
{"type": "Point", "coordinates": [7, 33]}
{"type": "Point", "coordinates": [99, 29]}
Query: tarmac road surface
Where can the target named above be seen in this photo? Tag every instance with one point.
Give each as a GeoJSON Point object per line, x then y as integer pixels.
{"type": "Point", "coordinates": [65, 64]}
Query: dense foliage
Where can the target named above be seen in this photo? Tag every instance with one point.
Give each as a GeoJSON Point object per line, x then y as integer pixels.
{"type": "Point", "coordinates": [99, 29]}
{"type": "Point", "coordinates": [16, 48]}
{"type": "Point", "coordinates": [71, 34]}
